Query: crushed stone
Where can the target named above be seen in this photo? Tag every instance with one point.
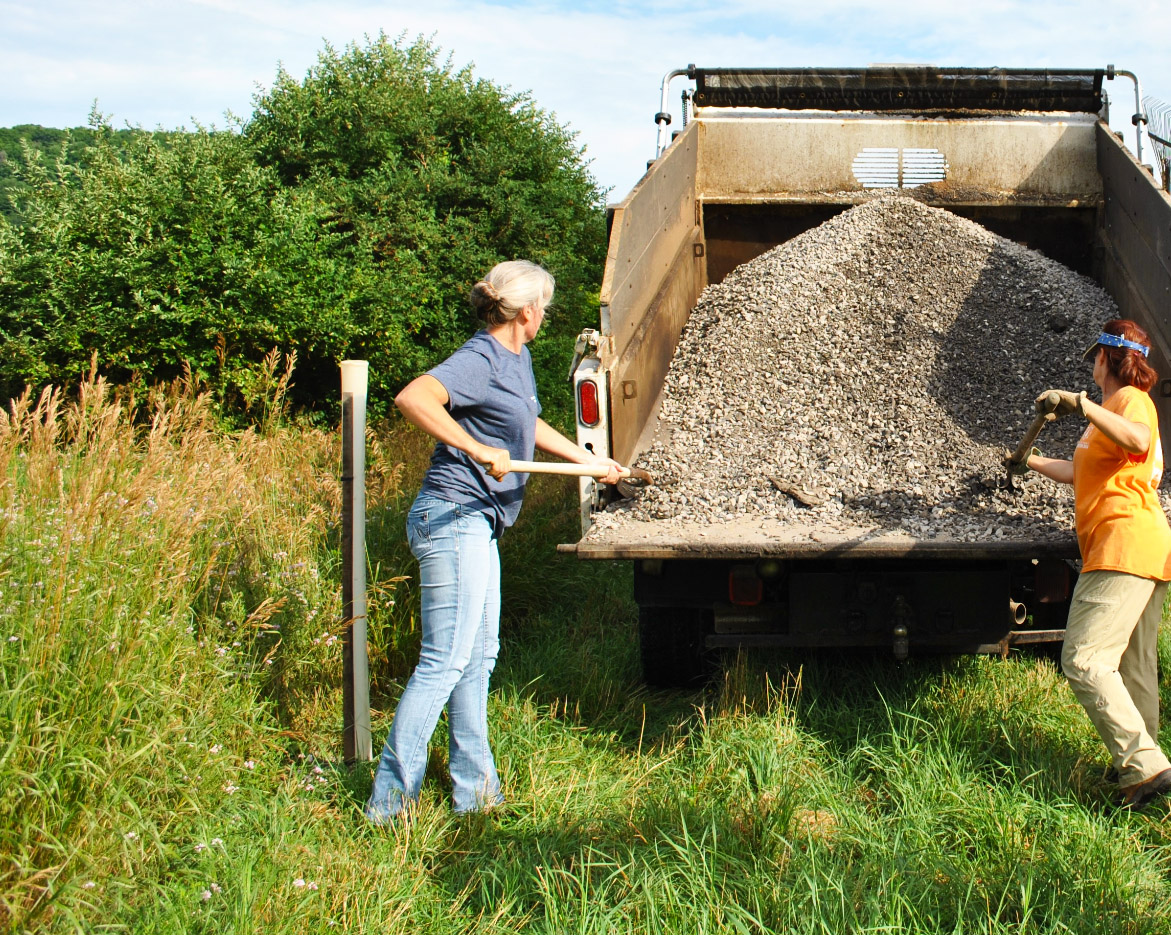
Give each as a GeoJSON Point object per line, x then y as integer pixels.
{"type": "Point", "coordinates": [870, 373]}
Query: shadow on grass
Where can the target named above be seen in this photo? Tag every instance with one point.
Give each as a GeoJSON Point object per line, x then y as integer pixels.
{"type": "Point", "coordinates": [1014, 721]}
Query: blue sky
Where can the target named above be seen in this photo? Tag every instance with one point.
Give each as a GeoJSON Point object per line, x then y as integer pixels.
{"type": "Point", "coordinates": [596, 65]}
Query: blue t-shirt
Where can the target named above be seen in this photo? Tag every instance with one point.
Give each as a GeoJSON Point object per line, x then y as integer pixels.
{"type": "Point", "coordinates": [493, 396]}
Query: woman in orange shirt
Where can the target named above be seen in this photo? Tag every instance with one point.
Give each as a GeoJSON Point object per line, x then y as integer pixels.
{"type": "Point", "coordinates": [1109, 655]}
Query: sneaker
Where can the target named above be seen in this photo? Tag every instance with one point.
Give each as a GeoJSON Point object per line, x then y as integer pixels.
{"type": "Point", "coordinates": [1135, 798]}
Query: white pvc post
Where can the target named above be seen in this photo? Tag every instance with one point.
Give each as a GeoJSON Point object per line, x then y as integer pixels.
{"type": "Point", "coordinates": [355, 667]}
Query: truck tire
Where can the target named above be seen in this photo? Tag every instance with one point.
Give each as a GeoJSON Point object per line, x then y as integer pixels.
{"type": "Point", "coordinates": [672, 646]}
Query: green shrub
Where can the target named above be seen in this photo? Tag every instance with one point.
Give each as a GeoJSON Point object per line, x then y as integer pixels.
{"type": "Point", "coordinates": [176, 252]}
{"type": "Point", "coordinates": [349, 217]}
{"type": "Point", "coordinates": [428, 176]}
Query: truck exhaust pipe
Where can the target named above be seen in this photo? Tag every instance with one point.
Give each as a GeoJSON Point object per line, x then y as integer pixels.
{"type": "Point", "coordinates": [1017, 612]}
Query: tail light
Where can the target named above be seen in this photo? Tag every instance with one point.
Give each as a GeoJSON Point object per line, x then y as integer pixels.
{"type": "Point", "coordinates": [745, 589]}
{"type": "Point", "coordinates": [587, 403]}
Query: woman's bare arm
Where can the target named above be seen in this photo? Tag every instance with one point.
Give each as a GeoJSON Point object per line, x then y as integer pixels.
{"type": "Point", "coordinates": [552, 442]}
{"type": "Point", "coordinates": [1058, 469]}
{"type": "Point", "coordinates": [423, 402]}
{"type": "Point", "coordinates": [1134, 437]}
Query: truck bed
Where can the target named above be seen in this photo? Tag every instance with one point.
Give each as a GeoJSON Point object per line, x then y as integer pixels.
{"type": "Point", "coordinates": [747, 536]}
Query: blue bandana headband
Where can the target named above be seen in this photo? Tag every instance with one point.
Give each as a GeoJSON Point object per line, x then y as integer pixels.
{"type": "Point", "coordinates": [1113, 340]}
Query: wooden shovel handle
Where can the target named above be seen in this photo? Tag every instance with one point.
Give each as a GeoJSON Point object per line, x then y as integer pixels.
{"type": "Point", "coordinates": [576, 470]}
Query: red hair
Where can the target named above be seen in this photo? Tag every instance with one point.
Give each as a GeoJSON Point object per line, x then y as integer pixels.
{"type": "Point", "coordinates": [1128, 366]}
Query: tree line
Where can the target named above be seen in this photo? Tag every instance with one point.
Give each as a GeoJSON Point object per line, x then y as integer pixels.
{"type": "Point", "coordinates": [346, 217]}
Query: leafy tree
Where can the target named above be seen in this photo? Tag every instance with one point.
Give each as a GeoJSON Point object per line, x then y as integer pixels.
{"type": "Point", "coordinates": [169, 254]}
{"type": "Point", "coordinates": [348, 218]}
{"type": "Point", "coordinates": [429, 177]}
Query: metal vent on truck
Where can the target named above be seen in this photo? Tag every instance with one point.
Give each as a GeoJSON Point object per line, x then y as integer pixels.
{"type": "Point", "coordinates": [891, 167]}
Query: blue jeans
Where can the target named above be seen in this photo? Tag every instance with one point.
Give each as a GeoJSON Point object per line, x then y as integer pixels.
{"type": "Point", "coordinates": [459, 579]}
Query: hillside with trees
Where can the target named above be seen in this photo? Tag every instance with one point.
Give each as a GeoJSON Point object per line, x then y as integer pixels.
{"type": "Point", "coordinates": [50, 146]}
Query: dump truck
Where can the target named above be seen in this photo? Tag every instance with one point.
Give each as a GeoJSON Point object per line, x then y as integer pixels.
{"type": "Point", "coordinates": [765, 154]}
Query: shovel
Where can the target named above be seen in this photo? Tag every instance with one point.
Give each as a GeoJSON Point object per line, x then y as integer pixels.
{"type": "Point", "coordinates": [1045, 415]}
{"type": "Point", "coordinates": [630, 479]}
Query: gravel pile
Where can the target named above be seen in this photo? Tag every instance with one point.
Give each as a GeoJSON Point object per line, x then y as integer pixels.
{"type": "Point", "coordinates": [870, 373]}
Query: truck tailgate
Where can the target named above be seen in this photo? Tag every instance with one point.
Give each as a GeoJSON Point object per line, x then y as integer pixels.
{"type": "Point", "coordinates": [752, 537]}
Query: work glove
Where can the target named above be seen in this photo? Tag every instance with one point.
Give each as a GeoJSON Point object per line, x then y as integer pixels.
{"type": "Point", "coordinates": [1070, 402]}
{"type": "Point", "coordinates": [1021, 468]}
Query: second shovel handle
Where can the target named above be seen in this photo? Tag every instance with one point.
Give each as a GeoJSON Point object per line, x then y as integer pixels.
{"type": "Point", "coordinates": [1045, 414]}
{"type": "Point", "coordinates": [1047, 403]}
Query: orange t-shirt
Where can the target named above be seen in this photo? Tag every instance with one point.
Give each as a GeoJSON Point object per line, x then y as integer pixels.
{"type": "Point", "coordinates": [1120, 522]}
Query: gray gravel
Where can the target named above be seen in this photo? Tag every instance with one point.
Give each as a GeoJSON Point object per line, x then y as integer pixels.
{"type": "Point", "coordinates": [870, 373]}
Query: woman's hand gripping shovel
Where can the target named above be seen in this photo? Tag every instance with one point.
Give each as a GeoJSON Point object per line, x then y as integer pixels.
{"type": "Point", "coordinates": [1045, 406]}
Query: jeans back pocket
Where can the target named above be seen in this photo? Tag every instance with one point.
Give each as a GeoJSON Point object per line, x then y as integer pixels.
{"type": "Point", "coordinates": [419, 531]}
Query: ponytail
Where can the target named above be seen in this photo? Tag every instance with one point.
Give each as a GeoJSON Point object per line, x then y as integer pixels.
{"type": "Point", "coordinates": [1127, 365]}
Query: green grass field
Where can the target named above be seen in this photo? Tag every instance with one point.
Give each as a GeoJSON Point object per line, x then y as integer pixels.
{"type": "Point", "coordinates": [170, 710]}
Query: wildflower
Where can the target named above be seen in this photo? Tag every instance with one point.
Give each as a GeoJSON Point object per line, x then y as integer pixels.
{"type": "Point", "coordinates": [113, 647]}
{"type": "Point", "coordinates": [298, 882]}
{"type": "Point", "coordinates": [311, 885]}
{"type": "Point", "coordinates": [14, 639]}
{"type": "Point", "coordinates": [250, 764]}
{"type": "Point", "coordinates": [220, 651]}
{"type": "Point", "coordinates": [217, 842]}
{"type": "Point", "coordinates": [229, 788]}
{"type": "Point", "coordinates": [130, 836]}
{"type": "Point", "coordinates": [215, 748]}
{"type": "Point", "coordinates": [216, 888]}
{"type": "Point", "coordinates": [318, 770]}
{"type": "Point", "coordinates": [88, 885]}
{"type": "Point", "coordinates": [200, 848]}
{"type": "Point", "coordinates": [191, 629]}
{"type": "Point", "coordinates": [205, 895]}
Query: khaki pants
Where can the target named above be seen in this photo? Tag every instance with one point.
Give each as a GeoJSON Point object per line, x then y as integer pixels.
{"type": "Point", "coordinates": [1110, 660]}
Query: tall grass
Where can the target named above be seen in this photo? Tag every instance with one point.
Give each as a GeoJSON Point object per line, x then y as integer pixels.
{"type": "Point", "coordinates": [169, 614]}
{"type": "Point", "coordinates": [170, 728]}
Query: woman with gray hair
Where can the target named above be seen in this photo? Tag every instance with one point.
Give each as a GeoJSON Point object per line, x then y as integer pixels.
{"type": "Point", "coordinates": [481, 407]}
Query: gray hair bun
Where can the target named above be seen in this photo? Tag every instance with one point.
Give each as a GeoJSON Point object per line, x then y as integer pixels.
{"type": "Point", "coordinates": [488, 303]}
{"type": "Point", "coordinates": [509, 287]}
